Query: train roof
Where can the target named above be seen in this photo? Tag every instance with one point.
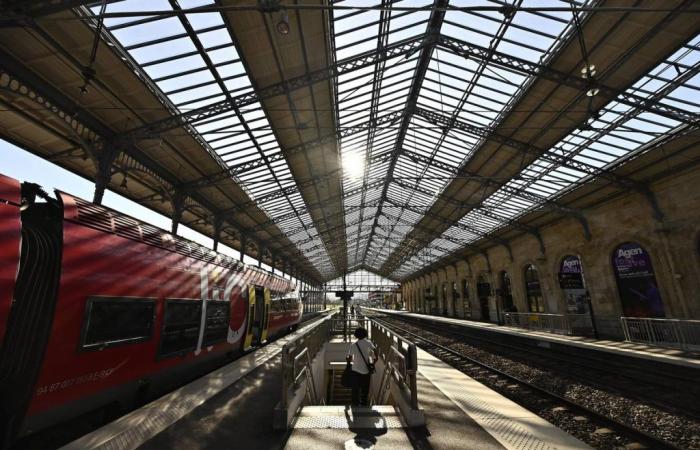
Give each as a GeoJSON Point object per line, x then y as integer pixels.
{"type": "Point", "coordinates": [112, 221]}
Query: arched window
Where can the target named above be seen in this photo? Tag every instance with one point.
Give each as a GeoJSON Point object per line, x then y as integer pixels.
{"type": "Point", "coordinates": [573, 285]}
{"type": "Point", "coordinates": [506, 292]}
{"type": "Point", "coordinates": [444, 299]}
{"type": "Point", "coordinates": [636, 282]}
{"type": "Point", "coordinates": [466, 305]}
{"type": "Point", "coordinates": [455, 294]}
{"type": "Point", "coordinates": [533, 290]}
{"type": "Point", "coordinates": [483, 291]}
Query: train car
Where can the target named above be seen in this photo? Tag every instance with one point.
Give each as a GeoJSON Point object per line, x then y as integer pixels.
{"type": "Point", "coordinates": [100, 310]}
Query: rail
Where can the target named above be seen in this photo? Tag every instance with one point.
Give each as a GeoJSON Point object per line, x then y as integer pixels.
{"type": "Point", "coordinates": [675, 333]}
{"type": "Point", "coordinates": [345, 326]}
{"type": "Point", "coordinates": [551, 323]}
{"type": "Point", "coordinates": [400, 358]}
{"type": "Point", "coordinates": [297, 355]}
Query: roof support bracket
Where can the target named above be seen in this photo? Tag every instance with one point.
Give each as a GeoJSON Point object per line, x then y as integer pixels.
{"type": "Point", "coordinates": [584, 224]}
{"type": "Point", "coordinates": [656, 211]}
{"type": "Point", "coordinates": [218, 224]}
{"type": "Point", "coordinates": [536, 233]}
{"type": "Point", "coordinates": [178, 202]}
{"type": "Point", "coordinates": [243, 241]}
{"type": "Point", "coordinates": [104, 159]}
{"type": "Point", "coordinates": [507, 246]}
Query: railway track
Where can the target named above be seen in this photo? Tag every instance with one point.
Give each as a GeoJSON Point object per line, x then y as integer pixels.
{"type": "Point", "coordinates": [592, 427]}
{"type": "Point", "coordinates": [602, 371]}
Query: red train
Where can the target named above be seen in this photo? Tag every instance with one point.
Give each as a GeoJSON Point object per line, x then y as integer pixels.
{"type": "Point", "coordinates": [98, 309]}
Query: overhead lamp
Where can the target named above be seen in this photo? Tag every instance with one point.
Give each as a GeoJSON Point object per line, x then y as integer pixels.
{"type": "Point", "coordinates": [588, 72]}
{"type": "Point", "coordinates": [283, 24]}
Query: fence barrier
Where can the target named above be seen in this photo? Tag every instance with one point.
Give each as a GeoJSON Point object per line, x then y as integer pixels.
{"type": "Point", "coordinates": [401, 360]}
{"type": "Point", "coordinates": [675, 333]}
{"type": "Point", "coordinates": [551, 323]}
{"type": "Point", "coordinates": [298, 353]}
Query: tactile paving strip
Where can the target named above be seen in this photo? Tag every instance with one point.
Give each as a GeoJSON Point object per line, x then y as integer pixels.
{"type": "Point", "coordinates": [377, 423]}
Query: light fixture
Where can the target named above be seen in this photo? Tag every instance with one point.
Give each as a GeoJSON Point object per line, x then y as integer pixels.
{"type": "Point", "coordinates": [592, 92]}
{"type": "Point", "coordinates": [283, 24]}
{"type": "Point", "coordinates": [588, 72]}
{"type": "Point", "coordinates": [123, 185]}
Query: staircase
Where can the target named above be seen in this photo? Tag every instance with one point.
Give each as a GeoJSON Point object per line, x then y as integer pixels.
{"type": "Point", "coordinates": [337, 394]}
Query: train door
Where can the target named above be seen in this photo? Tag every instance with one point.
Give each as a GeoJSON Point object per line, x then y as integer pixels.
{"type": "Point", "coordinates": [265, 315]}
{"type": "Point", "coordinates": [257, 320]}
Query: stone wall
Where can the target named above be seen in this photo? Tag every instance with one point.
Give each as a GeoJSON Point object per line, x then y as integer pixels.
{"type": "Point", "coordinates": [672, 243]}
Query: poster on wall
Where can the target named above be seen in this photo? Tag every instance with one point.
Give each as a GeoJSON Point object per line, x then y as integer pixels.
{"type": "Point", "coordinates": [572, 284]}
{"type": "Point", "coordinates": [636, 282]}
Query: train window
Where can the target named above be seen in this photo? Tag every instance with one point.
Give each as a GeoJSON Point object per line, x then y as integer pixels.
{"type": "Point", "coordinates": [113, 321]}
{"type": "Point", "coordinates": [276, 305]}
{"type": "Point", "coordinates": [216, 327]}
{"type": "Point", "coordinates": [180, 326]}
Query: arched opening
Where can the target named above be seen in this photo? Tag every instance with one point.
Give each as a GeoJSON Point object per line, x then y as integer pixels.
{"type": "Point", "coordinates": [573, 285]}
{"type": "Point", "coordinates": [444, 299]}
{"type": "Point", "coordinates": [483, 291]}
{"type": "Point", "coordinates": [636, 282]}
{"type": "Point", "coordinates": [506, 292]}
{"type": "Point", "coordinates": [533, 290]}
{"type": "Point", "coordinates": [466, 305]}
{"type": "Point", "coordinates": [430, 300]}
{"type": "Point", "coordinates": [455, 294]}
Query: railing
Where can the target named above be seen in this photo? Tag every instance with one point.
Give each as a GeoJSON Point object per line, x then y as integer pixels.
{"type": "Point", "coordinates": [682, 334]}
{"type": "Point", "coordinates": [400, 360]}
{"type": "Point", "coordinates": [345, 326]}
{"type": "Point", "coordinates": [551, 323]}
{"type": "Point", "coordinates": [297, 355]}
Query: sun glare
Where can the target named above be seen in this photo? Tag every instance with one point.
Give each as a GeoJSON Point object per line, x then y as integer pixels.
{"type": "Point", "coordinates": [353, 164]}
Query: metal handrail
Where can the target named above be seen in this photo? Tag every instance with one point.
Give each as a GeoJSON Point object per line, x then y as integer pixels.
{"type": "Point", "coordinates": [675, 333]}
{"type": "Point", "coordinates": [294, 365]}
{"type": "Point", "coordinates": [345, 325]}
{"type": "Point", "coordinates": [400, 358]}
{"type": "Point", "coordinates": [552, 323]}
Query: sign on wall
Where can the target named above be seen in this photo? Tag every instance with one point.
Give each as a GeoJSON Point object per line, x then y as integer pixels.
{"type": "Point", "coordinates": [572, 284]}
{"type": "Point", "coordinates": [636, 282]}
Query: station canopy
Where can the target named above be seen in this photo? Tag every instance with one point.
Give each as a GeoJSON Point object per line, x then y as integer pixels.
{"type": "Point", "coordinates": [382, 136]}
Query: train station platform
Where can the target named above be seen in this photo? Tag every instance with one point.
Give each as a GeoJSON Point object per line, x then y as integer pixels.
{"type": "Point", "coordinates": [542, 339]}
{"type": "Point", "coordinates": [232, 407]}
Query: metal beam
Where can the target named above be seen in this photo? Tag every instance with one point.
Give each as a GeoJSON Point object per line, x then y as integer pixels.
{"type": "Point", "coordinates": [239, 169]}
{"type": "Point", "coordinates": [431, 37]}
{"type": "Point", "coordinates": [495, 58]}
{"type": "Point", "coordinates": [18, 12]}
{"type": "Point", "coordinates": [153, 130]}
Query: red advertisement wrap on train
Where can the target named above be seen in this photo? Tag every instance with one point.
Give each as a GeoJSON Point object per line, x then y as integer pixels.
{"type": "Point", "coordinates": [129, 311]}
{"type": "Point", "coordinates": [10, 233]}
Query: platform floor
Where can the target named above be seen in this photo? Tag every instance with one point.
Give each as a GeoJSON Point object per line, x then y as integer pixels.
{"type": "Point", "coordinates": [239, 417]}
{"type": "Point", "coordinates": [212, 413]}
{"type": "Point", "coordinates": [234, 386]}
{"type": "Point", "coordinates": [632, 349]}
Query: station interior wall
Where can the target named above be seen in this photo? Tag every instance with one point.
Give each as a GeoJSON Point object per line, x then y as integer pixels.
{"type": "Point", "coordinates": [673, 244]}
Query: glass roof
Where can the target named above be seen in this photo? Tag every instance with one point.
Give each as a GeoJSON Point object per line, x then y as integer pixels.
{"type": "Point", "coordinates": [418, 91]}
{"type": "Point", "coordinates": [362, 281]}
{"type": "Point", "coordinates": [460, 88]}
{"type": "Point", "coordinates": [620, 132]}
{"type": "Point", "coordinates": [194, 62]}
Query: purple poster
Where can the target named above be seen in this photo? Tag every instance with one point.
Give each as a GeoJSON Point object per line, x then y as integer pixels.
{"type": "Point", "coordinates": [636, 282]}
